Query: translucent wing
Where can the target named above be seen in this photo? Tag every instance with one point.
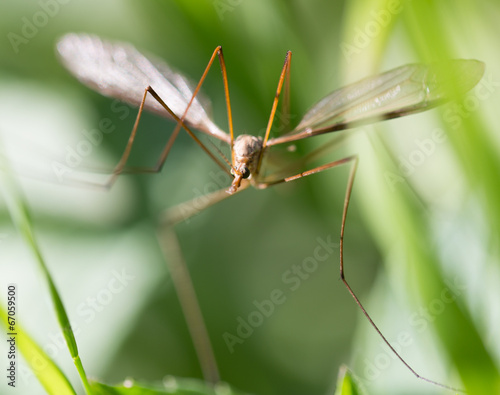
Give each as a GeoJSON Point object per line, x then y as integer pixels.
{"type": "Point", "coordinates": [119, 70]}
{"type": "Point", "coordinates": [395, 93]}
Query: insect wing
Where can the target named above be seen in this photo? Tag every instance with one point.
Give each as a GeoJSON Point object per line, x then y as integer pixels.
{"type": "Point", "coordinates": [395, 93]}
{"type": "Point", "coordinates": [119, 70]}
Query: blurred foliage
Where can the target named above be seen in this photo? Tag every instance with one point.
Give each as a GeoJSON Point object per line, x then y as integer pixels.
{"type": "Point", "coordinates": [421, 235]}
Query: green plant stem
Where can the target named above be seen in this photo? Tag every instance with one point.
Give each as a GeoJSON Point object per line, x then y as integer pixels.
{"type": "Point", "coordinates": [19, 213]}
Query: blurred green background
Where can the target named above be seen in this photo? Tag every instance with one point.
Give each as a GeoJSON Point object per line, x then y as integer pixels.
{"type": "Point", "coordinates": [424, 216]}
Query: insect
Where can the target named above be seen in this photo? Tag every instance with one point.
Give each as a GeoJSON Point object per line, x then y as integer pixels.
{"type": "Point", "coordinates": [120, 71]}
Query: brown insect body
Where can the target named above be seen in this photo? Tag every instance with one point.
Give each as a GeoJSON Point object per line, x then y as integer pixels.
{"type": "Point", "coordinates": [246, 152]}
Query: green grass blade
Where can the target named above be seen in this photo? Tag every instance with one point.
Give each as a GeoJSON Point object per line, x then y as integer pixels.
{"type": "Point", "coordinates": [19, 213]}
{"type": "Point", "coordinates": [346, 385]}
{"type": "Point", "coordinates": [171, 386]}
{"type": "Point", "coordinates": [48, 373]}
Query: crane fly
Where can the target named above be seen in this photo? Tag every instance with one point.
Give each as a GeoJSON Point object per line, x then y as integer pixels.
{"type": "Point", "coordinates": [119, 70]}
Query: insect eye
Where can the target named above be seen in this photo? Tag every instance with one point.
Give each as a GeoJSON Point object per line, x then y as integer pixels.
{"type": "Point", "coordinates": [245, 172]}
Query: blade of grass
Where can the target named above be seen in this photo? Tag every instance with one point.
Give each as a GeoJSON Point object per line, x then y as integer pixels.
{"type": "Point", "coordinates": [346, 385]}
{"type": "Point", "coordinates": [171, 386]}
{"type": "Point", "coordinates": [48, 373]}
{"type": "Point", "coordinates": [19, 213]}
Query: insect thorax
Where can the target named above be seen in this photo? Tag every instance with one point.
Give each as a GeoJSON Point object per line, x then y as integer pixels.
{"type": "Point", "coordinates": [246, 150]}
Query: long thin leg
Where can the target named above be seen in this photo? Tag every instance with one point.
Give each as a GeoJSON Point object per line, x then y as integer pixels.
{"type": "Point", "coordinates": [347, 198]}
{"type": "Point", "coordinates": [180, 122]}
{"type": "Point", "coordinates": [182, 280]}
{"type": "Point", "coordinates": [189, 303]}
{"type": "Point", "coordinates": [226, 94]}
{"type": "Point", "coordinates": [284, 73]}
{"type": "Point", "coordinates": [119, 168]}
{"type": "Point", "coordinates": [358, 302]}
{"type": "Point", "coordinates": [285, 107]}
{"type": "Point", "coordinates": [184, 211]}
{"type": "Point", "coordinates": [300, 163]}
